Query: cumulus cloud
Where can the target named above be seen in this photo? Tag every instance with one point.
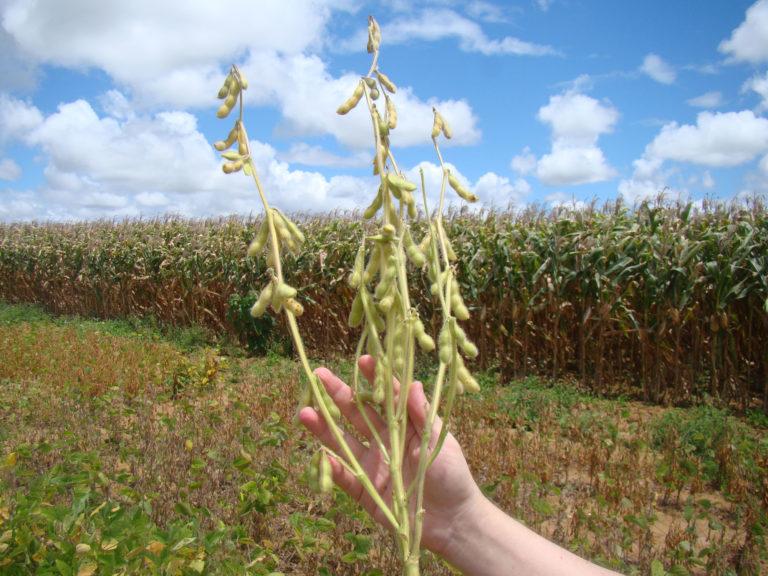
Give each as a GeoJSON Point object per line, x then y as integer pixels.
{"type": "Point", "coordinates": [441, 23]}
{"type": "Point", "coordinates": [16, 71]}
{"type": "Point", "coordinates": [308, 95]}
{"type": "Point", "coordinates": [759, 85]}
{"type": "Point", "coordinates": [577, 121]}
{"type": "Point", "coordinates": [657, 69]}
{"type": "Point", "coordinates": [126, 163]}
{"type": "Point", "coordinates": [493, 190]}
{"type": "Point", "coordinates": [103, 166]}
{"type": "Point", "coordinates": [9, 170]}
{"type": "Point", "coordinates": [524, 163]}
{"type": "Point", "coordinates": [717, 139]}
{"type": "Point", "coordinates": [707, 100]}
{"type": "Point", "coordinates": [163, 68]}
{"type": "Point", "coordinates": [162, 59]}
{"type": "Point", "coordinates": [499, 191]}
{"type": "Point", "coordinates": [17, 118]}
{"type": "Point", "coordinates": [633, 190]}
{"type": "Point", "coordinates": [749, 41]}
{"type": "Point", "coordinates": [569, 165]}
{"type": "Point", "coordinates": [576, 118]}
{"type": "Point", "coordinates": [563, 200]}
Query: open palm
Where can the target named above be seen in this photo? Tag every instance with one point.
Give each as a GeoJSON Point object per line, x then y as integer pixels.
{"type": "Point", "coordinates": [449, 489]}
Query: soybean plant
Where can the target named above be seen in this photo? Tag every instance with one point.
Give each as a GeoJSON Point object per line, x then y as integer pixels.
{"type": "Point", "coordinates": [390, 326]}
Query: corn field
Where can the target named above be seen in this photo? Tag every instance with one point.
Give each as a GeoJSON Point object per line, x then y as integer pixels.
{"type": "Point", "coordinates": [667, 301]}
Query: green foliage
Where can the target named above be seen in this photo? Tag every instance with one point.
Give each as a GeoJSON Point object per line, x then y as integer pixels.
{"type": "Point", "coordinates": [706, 442]}
{"type": "Point", "coordinates": [73, 519]}
{"type": "Point", "coordinates": [14, 314]}
{"type": "Point", "coordinates": [255, 334]}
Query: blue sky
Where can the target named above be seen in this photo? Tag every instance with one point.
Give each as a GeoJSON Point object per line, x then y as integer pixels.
{"type": "Point", "coordinates": [107, 109]}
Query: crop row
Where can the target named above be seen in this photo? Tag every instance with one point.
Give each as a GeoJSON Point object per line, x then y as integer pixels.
{"type": "Point", "coordinates": [665, 299]}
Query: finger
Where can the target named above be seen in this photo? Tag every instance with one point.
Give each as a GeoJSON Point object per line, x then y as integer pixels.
{"type": "Point", "coordinates": [342, 396]}
{"type": "Point", "coordinates": [418, 406]}
{"type": "Point", "coordinates": [317, 425]}
{"type": "Point", "coordinates": [418, 409]}
{"type": "Point", "coordinates": [367, 366]}
{"type": "Point", "coordinates": [346, 481]}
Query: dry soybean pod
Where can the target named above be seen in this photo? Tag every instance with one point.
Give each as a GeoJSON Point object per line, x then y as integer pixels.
{"type": "Point", "coordinates": [386, 82]}
{"type": "Point", "coordinates": [260, 241]}
{"type": "Point", "coordinates": [352, 101]}
{"type": "Point", "coordinates": [297, 234]}
{"type": "Point", "coordinates": [222, 145]}
{"type": "Point", "coordinates": [325, 476]}
{"type": "Point", "coordinates": [391, 113]}
{"type": "Point", "coordinates": [459, 188]}
{"type": "Point", "coordinates": [265, 297]}
{"type": "Point", "coordinates": [356, 277]}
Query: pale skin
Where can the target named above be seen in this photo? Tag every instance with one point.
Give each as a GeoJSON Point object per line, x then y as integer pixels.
{"type": "Point", "coordinates": [460, 523]}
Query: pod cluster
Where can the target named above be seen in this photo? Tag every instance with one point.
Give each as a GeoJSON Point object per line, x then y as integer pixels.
{"type": "Point", "coordinates": [277, 294]}
{"type": "Point", "coordinates": [379, 304]}
{"type": "Point", "coordinates": [235, 160]}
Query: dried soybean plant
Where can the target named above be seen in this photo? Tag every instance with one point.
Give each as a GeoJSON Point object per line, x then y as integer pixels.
{"type": "Point", "coordinates": [390, 326]}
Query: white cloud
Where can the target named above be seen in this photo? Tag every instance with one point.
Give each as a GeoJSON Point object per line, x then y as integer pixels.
{"type": "Point", "coordinates": [524, 163]}
{"type": "Point", "coordinates": [493, 190]}
{"type": "Point", "coordinates": [486, 11]}
{"type": "Point", "coordinates": [499, 191]}
{"type": "Point", "coordinates": [577, 121]}
{"type": "Point", "coordinates": [167, 53]}
{"type": "Point", "coordinates": [571, 165]}
{"type": "Point", "coordinates": [437, 24]}
{"type": "Point", "coordinates": [759, 85]}
{"type": "Point", "coordinates": [102, 166]}
{"type": "Point", "coordinates": [659, 70]}
{"type": "Point", "coordinates": [9, 170]}
{"type": "Point", "coordinates": [308, 96]}
{"type": "Point", "coordinates": [707, 181]}
{"type": "Point", "coordinates": [17, 118]}
{"type": "Point", "coordinates": [707, 100]}
{"type": "Point", "coordinates": [749, 42]}
{"type": "Point", "coordinates": [152, 199]}
{"type": "Point", "coordinates": [563, 200]}
{"type": "Point", "coordinates": [544, 5]}
{"type": "Point", "coordinates": [717, 139]}
{"type": "Point", "coordinates": [633, 191]}
{"type": "Point", "coordinates": [16, 71]}
{"type": "Point", "coordinates": [130, 163]}
{"type": "Point", "coordinates": [576, 118]}
{"type": "Point", "coordinates": [182, 65]}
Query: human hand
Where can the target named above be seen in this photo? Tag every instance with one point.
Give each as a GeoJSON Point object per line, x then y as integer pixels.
{"type": "Point", "coordinates": [450, 492]}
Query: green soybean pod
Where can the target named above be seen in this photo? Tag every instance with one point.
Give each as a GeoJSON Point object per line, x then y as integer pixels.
{"type": "Point", "coordinates": [357, 312]}
{"type": "Point", "coordinates": [326, 475]}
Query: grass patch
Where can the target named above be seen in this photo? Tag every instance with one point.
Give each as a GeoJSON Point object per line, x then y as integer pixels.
{"type": "Point", "coordinates": [187, 338]}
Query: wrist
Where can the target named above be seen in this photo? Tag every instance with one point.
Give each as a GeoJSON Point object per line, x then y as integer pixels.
{"type": "Point", "coordinates": [467, 528]}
